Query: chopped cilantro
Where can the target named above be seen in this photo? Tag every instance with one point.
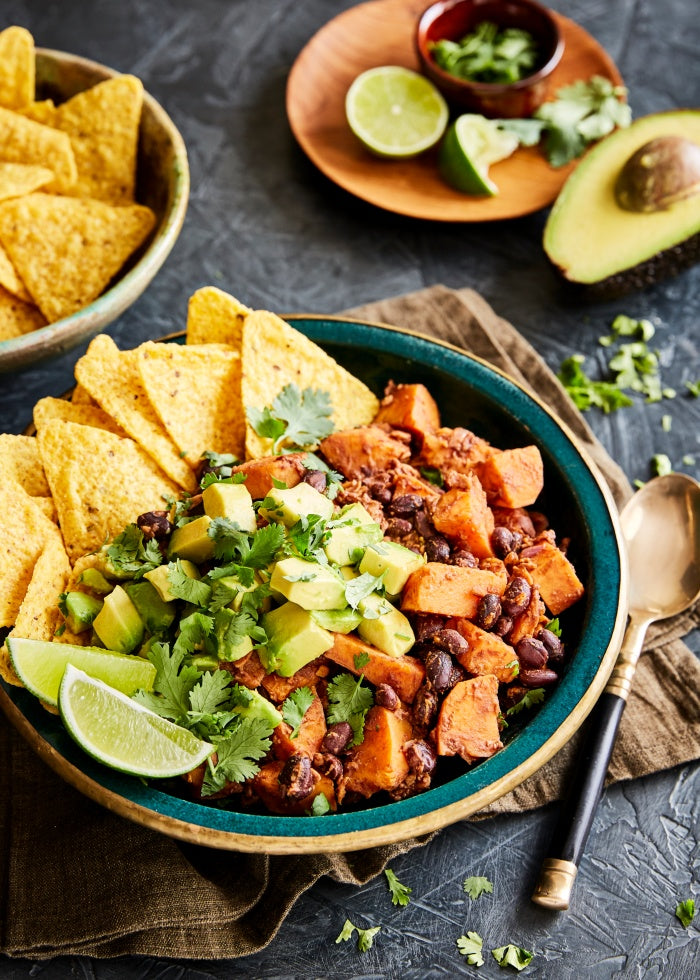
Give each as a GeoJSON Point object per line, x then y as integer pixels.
{"type": "Point", "coordinates": [183, 586]}
{"type": "Point", "coordinates": [365, 937]}
{"type": "Point", "coordinates": [476, 886]}
{"type": "Point", "coordinates": [295, 707]}
{"type": "Point", "coordinates": [333, 479]}
{"type": "Point", "coordinates": [320, 806]}
{"type": "Point", "coordinates": [133, 556]}
{"type": "Point", "coordinates": [586, 393]}
{"type": "Point", "coordinates": [514, 956]}
{"type": "Point", "coordinates": [307, 537]}
{"type": "Point", "coordinates": [685, 912]}
{"type": "Point", "coordinates": [360, 660]}
{"type": "Point", "coordinates": [295, 419]}
{"type": "Point", "coordinates": [580, 114]}
{"type": "Point", "coordinates": [360, 587]}
{"type": "Point", "coordinates": [533, 697]}
{"type": "Point", "coordinates": [489, 53]}
{"type": "Point", "coordinates": [172, 685]}
{"type": "Point", "coordinates": [399, 893]}
{"type": "Point", "coordinates": [229, 540]}
{"type": "Point", "coordinates": [194, 629]}
{"type": "Point", "coordinates": [432, 475]}
{"type": "Point", "coordinates": [554, 627]}
{"type": "Point", "coordinates": [661, 465]}
{"type": "Point", "coordinates": [688, 460]}
{"type": "Point", "coordinates": [237, 754]}
{"type": "Point", "coordinates": [221, 462]}
{"type": "Point", "coordinates": [471, 946]}
{"type": "Point", "coordinates": [694, 388]}
{"type": "Point", "coordinates": [349, 701]}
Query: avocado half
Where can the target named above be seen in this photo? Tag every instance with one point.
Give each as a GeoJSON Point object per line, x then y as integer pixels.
{"type": "Point", "coordinates": [596, 243]}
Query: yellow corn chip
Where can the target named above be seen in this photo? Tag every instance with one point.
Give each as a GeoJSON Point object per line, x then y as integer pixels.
{"type": "Point", "coordinates": [196, 392]}
{"type": "Point", "coordinates": [66, 249]}
{"type": "Point", "coordinates": [17, 67]}
{"type": "Point", "coordinates": [113, 379]}
{"type": "Point", "coordinates": [24, 141]}
{"type": "Point", "coordinates": [99, 482]}
{"type": "Point", "coordinates": [17, 317]}
{"type": "Point", "coordinates": [103, 125]}
{"type": "Point", "coordinates": [81, 397]}
{"type": "Point", "coordinates": [58, 408]}
{"type": "Point", "coordinates": [47, 507]}
{"type": "Point", "coordinates": [20, 461]}
{"type": "Point", "coordinates": [24, 531]}
{"type": "Point", "coordinates": [10, 281]}
{"type": "Point", "coordinates": [38, 615]}
{"type": "Point", "coordinates": [22, 178]}
{"type": "Point", "coordinates": [215, 317]}
{"type": "Point", "coordinates": [275, 355]}
{"type": "Point", "coordinates": [42, 112]}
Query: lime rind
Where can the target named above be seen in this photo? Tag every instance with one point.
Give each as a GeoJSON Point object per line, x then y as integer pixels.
{"type": "Point", "coordinates": [123, 734]}
{"type": "Point", "coordinates": [471, 145]}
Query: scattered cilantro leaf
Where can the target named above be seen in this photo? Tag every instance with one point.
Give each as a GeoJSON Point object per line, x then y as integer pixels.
{"type": "Point", "coordinates": [264, 546]}
{"type": "Point", "coordinates": [320, 806]}
{"type": "Point", "coordinates": [307, 537]}
{"type": "Point", "coordinates": [533, 697]}
{"type": "Point", "coordinates": [514, 956]}
{"type": "Point", "coordinates": [528, 131]}
{"type": "Point", "coordinates": [194, 629]}
{"type": "Point", "coordinates": [694, 388]}
{"type": "Point", "coordinates": [365, 938]}
{"type": "Point", "coordinates": [182, 586]}
{"type": "Point", "coordinates": [586, 393]}
{"type": "Point", "coordinates": [295, 419]}
{"type": "Point", "coordinates": [360, 660]}
{"type": "Point", "coordinates": [172, 685]}
{"type": "Point", "coordinates": [361, 586]}
{"type": "Point", "coordinates": [346, 932]}
{"type": "Point", "coordinates": [471, 946]}
{"type": "Point", "coordinates": [210, 692]}
{"type": "Point", "coordinates": [132, 555]}
{"type": "Point", "coordinates": [688, 460]}
{"type": "Point", "coordinates": [349, 701]}
{"type": "Point", "coordinates": [229, 540]}
{"type": "Point", "coordinates": [554, 627]}
{"type": "Point", "coordinates": [432, 475]}
{"type": "Point", "coordinates": [475, 886]}
{"type": "Point", "coordinates": [661, 465]}
{"type": "Point", "coordinates": [295, 707]}
{"type": "Point", "coordinates": [399, 893]}
{"type": "Point", "coordinates": [237, 755]}
{"type": "Point", "coordinates": [685, 912]}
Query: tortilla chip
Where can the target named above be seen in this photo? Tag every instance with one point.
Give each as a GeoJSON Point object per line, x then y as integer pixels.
{"type": "Point", "coordinates": [17, 67]}
{"type": "Point", "coordinates": [215, 317]}
{"type": "Point", "coordinates": [21, 178]}
{"type": "Point", "coordinates": [58, 408]}
{"type": "Point", "coordinates": [99, 482]}
{"type": "Point", "coordinates": [275, 355]}
{"type": "Point", "coordinates": [16, 317]}
{"type": "Point", "coordinates": [66, 249]}
{"type": "Point", "coordinates": [20, 461]}
{"type": "Point", "coordinates": [81, 397]}
{"type": "Point", "coordinates": [103, 125]}
{"type": "Point", "coordinates": [24, 531]}
{"type": "Point", "coordinates": [113, 379]}
{"type": "Point", "coordinates": [209, 377]}
{"type": "Point", "coordinates": [47, 508]}
{"type": "Point", "coordinates": [10, 281]}
{"type": "Point", "coordinates": [38, 616]}
{"type": "Point", "coordinates": [24, 141]}
{"type": "Point", "coordinates": [42, 112]}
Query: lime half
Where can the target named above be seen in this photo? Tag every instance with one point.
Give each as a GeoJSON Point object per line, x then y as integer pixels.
{"type": "Point", "coordinates": [40, 665]}
{"type": "Point", "coordinates": [395, 112]}
{"type": "Point", "coordinates": [123, 734]}
{"type": "Point", "coordinates": [471, 145]}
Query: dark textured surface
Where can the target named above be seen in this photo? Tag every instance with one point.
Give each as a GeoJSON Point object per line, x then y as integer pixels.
{"type": "Point", "coordinates": [266, 226]}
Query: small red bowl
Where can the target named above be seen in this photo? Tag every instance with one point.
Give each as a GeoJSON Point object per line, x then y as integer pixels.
{"type": "Point", "coordinates": [452, 19]}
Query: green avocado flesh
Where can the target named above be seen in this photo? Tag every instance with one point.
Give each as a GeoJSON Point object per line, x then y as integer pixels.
{"type": "Point", "coordinates": [593, 241]}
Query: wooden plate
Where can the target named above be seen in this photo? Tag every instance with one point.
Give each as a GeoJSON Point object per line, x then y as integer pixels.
{"type": "Point", "coordinates": [382, 33]}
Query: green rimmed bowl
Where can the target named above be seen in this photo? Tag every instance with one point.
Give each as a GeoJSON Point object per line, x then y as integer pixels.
{"type": "Point", "coordinates": [163, 183]}
{"type": "Point", "coordinates": [470, 393]}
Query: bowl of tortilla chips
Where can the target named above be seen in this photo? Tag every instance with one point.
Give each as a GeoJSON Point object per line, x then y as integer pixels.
{"type": "Point", "coordinates": [94, 183]}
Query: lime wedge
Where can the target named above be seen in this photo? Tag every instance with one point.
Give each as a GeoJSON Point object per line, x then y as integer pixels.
{"type": "Point", "coordinates": [471, 145]}
{"type": "Point", "coordinates": [123, 734]}
{"type": "Point", "coordinates": [395, 112]}
{"type": "Point", "coordinates": [40, 665]}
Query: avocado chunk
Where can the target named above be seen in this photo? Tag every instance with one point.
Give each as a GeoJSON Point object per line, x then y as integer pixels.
{"type": "Point", "coordinates": [94, 580]}
{"type": "Point", "coordinates": [384, 626]}
{"type": "Point", "coordinates": [289, 505]}
{"type": "Point", "coordinates": [156, 613]}
{"type": "Point", "coordinates": [118, 624]}
{"type": "Point", "coordinates": [308, 584]}
{"type": "Point", "coordinates": [236, 588]}
{"type": "Point", "coordinates": [192, 541]}
{"type": "Point", "coordinates": [337, 620]}
{"type": "Point", "coordinates": [595, 242]}
{"type": "Point", "coordinates": [158, 577]}
{"type": "Point", "coordinates": [356, 531]}
{"type": "Point", "coordinates": [259, 707]}
{"type": "Point", "coordinates": [393, 561]}
{"type": "Point", "coordinates": [294, 639]}
{"type": "Point", "coordinates": [223, 643]}
{"type": "Point", "coordinates": [79, 610]}
{"type": "Point", "coordinates": [231, 500]}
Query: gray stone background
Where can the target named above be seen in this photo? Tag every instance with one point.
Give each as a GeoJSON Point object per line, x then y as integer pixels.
{"type": "Point", "coordinates": [265, 225]}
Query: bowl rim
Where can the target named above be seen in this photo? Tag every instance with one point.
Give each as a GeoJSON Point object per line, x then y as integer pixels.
{"type": "Point", "coordinates": [60, 336]}
{"type": "Point", "coordinates": [295, 835]}
{"type": "Point", "coordinates": [431, 13]}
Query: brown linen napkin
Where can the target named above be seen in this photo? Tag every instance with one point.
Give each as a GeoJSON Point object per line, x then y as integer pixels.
{"type": "Point", "coordinates": [141, 893]}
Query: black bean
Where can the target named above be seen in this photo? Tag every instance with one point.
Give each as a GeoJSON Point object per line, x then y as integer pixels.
{"type": "Point", "coordinates": [532, 654]}
{"type": "Point", "coordinates": [154, 524]}
{"type": "Point", "coordinates": [297, 777]}
{"type": "Point", "coordinates": [425, 706]}
{"type": "Point", "coordinates": [552, 643]}
{"type": "Point", "coordinates": [386, 697]}
{"type": "Point", "coordinates": [337, 737]}
{"type": "Point", "coordinates": [397, 527]}
{"type": "Point", "coordinates": [316, 479]}
{"type": "Point", "coordinates": [420, 756]}
{"type": "Point", "coordinates": [537, 678]}
{"type": "Point", "coordinates": [488, 611]}
{"type": "Point", "coordinates": [502, 541]}
{"type": "Point", "coordinates": [464, 558]}
{"type": "Point", "coordinates": [425, 624]}
{"type": "Point", "coordinates": [422, 524]}
{"type": "Point", "coordinates": [328, 765]}
{"type": "Point", "coordinates": [405, 503]}
{"type": "Point", "coordinates": [516, 597]}
{"type": "Point", "coordinates": [451, 641]}
{"type": "Point", "coordinates": [503, 626]}
{"type": "Point", "coordinates": [438, 670]}
{"type": "Point", "coordinates": [437, 549]}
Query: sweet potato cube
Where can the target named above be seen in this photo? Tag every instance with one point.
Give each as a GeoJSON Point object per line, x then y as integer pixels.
{"type": "Point", "coordinates": [406, 479]}
{"type": "Point", "coordinates": [410, 407]}
{"type": "Point", "coordinates": [405, 674]}
{"type": "Point", "coordinates": [487, 653]}
{"type": "Point", "coordinates": [378, 762]}
{"type": "Point", "coordinates": [512, 478]}
{"type": "Point", "coordinates": [453, 449]}
{"type": "Point", "coordinates": [262, 473]}
{"type": "Point", "coordinates": [248, 671]}
{"type": "Point", "coordinates": [309, 737]}
{"type": "Point", "coordinates": [528, 622]}
{"type": "Point", "coordinates": [555, 577]}
{"type": "Point", "coordinates": [464, 516]}
{"type": "Point", "coordinates": [468, 720]}
{"type": "Point", "coordinates": [266, 784]}
{"type": "Point", "coordinates": [450, 590]}
{"type": "Point", "coordinates": [367, 448]}
{"type": "Point", "coordinates": [280, 688]}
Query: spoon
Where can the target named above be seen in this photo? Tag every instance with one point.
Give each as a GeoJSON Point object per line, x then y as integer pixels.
{"type": "Point", "coordinates": [661, 528]}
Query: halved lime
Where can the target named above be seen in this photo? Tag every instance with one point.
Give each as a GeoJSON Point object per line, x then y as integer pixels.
{"type": "Point", "coordinates": [123, 734]}
{"type": "Point", "coordinates": [395, 112]}
{"type": "Point", "coordinates": [40, 665]}
{"type": "Point", "coordinates": [471, 145]}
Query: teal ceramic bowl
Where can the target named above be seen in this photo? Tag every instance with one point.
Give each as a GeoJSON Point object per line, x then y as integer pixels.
{"type": "Point", "coordinates": [163, 183]}
{"type": "Point", "coordinates": [578, 503]}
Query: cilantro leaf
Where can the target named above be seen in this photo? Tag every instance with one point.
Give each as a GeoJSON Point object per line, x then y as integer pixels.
{"type": "Point", "coordinates": [361, 586]}
{"type": "Point", "coordinates": [399, 893]}
{"type": "Point", "coordinates": [237, 755]}
{"type": "Point", "coordinates": [194, 629]}
{"type": "Point", "coordinates": [489, 53]}
{"type": "Point", "coordinates": [580, 114]}
{"type": "Point", "coordinates": [210, 692]}
{"type": "Point", "coordinates": [360, 660]}
{"type": "Point", "coordinates": [584, 392]}
{"type": "Point", "coordinates": [365, 937]}
{"type": "Point", "coordinates": [295, 419]}
{"type": "Point", "coordinates": [528, 131]}
{"type": "Point", "coordinates": [533, 697]}
{"type": "Point", "coordinates": [349, 701]}
{"type": "Point", "coordinates": [229, 540]}
{"type": "Point", "coordinates": [346, 932]}
{"type": "Point", "coordinates": [295, 707]}
{"type": "Point", "coordinates": [554, 627]}
{"type": "Point", "coordinates": [476, 886]}
{"type": "Point", "coordinates": [133, 556]}
{"type": "Point", "coordinates": [661, 465]}
{"type": "Point", "coordinates": [264, 546]}
{"type": "Point", "coordinates": [172, 685]}
{"type": "Point", "coordinates": [694, 388]}
{"type": "Point", "coordinates": [685, 912]}
{"type": "Point", "coordinates": [432, 475]}
{"type": "Point", "coordinates": [471, 946]}
{"type": "Point", "coordinates": [307, 537]}
{"type": "Point", "coordinates": [320, 806]}
{"type": "Point", "coordinates": [512, 956]}
{"type": "Point", "coordinates": [182, 586]}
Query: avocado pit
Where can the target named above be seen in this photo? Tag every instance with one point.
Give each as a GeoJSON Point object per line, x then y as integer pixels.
{"type": "Point", "coordinates": [660, 173]}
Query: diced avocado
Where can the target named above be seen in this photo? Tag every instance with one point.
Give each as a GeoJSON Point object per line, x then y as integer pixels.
{"type": "Point", "coordinates": [192, 541]}
{"type": "Point", "coordinates": [384, 626]}
{"type": "Point", "coordinates": [203, 661]}
{"type": "Point", "coordinates": [156, 613]}
{"type": "Point", "coordinates": [94, 580]}
{"type": "Point", "coordinates": [103, 564]}
{"type": "Point", "coordinates": [218, 642]}
{"type": "Point", "coordinates": [118, 624]}
{"type": "Point", "coordinates": [79, 610]}
{"type": "Point", "coordinates": [288, 505]}
{"type": "Point", "coordinates": [337, 620]}
{"type": "Point", "coordinates": [393, 561]}
{"type": "Point", "coordinates": [260, 707]}
{"type": "Point", "coordinates": [294, 639]}
{"type": "Point", "coordinates": [230, 500]}
{"type": "Point", "coordinates": [353, 536]}
{"type": "Point", "coordinates": [158, 577]}
{"type": "Point", "coordinates": [348, 572]}
{"type": "Point", "coordinates": [237, 589]}
{"type": "Point", "coordinates": [310, 585]}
